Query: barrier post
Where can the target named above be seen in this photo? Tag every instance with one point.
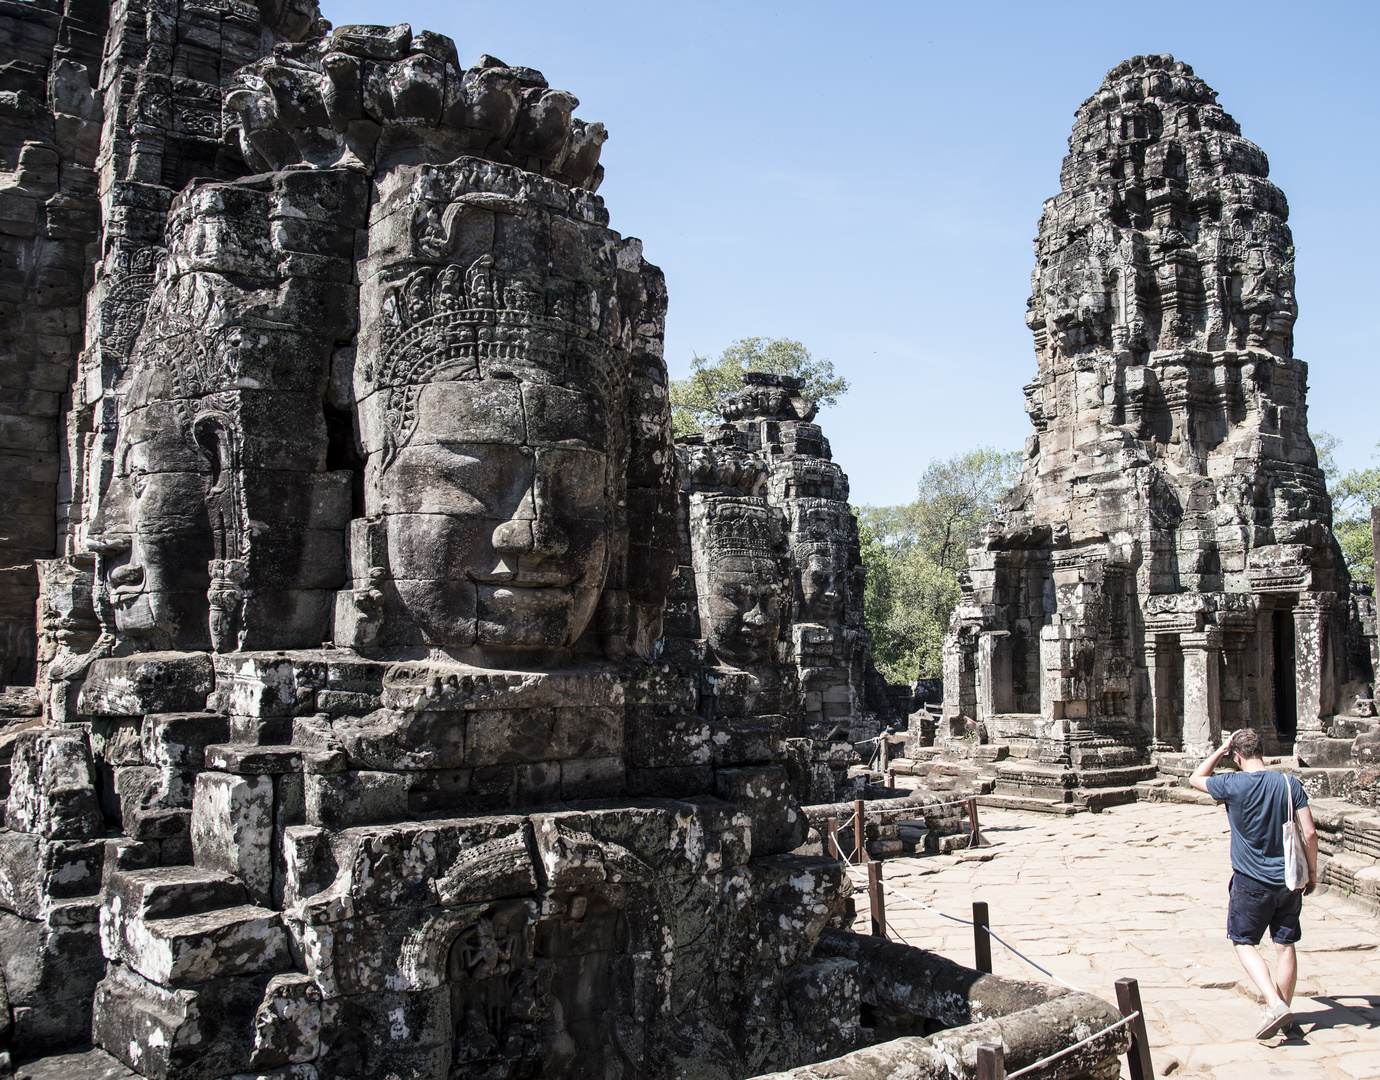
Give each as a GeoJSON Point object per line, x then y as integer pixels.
{"type": "Point", "coordinates": [974, 831]}
{"type": "Point", "coordinates": [991, 1063]}
{"type": "Point", "coordinates": [1138, 1053]}
{"type": "Point", "coordinates": [859, 833]}
{"type": "Point", "coordinates": [982, 940]}
{"type": "Point", "coordinates": [831, 830]}
{"type": "Point", "coordinates": [885, 747]}
{"type": "Point", "coordinates": [874, 893]}
{"type": "Point", "coordinates": [891, 778]}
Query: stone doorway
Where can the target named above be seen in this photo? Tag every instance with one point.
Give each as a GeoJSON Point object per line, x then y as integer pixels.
{"type": "Point", "coordinates": [1283, 674]}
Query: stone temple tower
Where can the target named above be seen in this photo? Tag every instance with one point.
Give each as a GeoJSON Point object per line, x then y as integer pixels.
{"type": "Point", "coordinates": [1165, 567]}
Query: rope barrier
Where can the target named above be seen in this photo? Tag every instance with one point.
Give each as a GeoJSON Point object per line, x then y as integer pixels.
{"type": "Point", "coordinates": [1070, 1049]}
{"type": "Point", "coordinates": [969, 922]}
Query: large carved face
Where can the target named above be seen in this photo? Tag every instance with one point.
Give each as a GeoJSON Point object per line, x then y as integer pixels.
{"type": "Point", "coordinates": [822, 586]}
{"type": "Point", "coordinates": [738, 576]}
{"type": "Point", "coordinates": [497, 514]}
{"type": "Point", "coordinates": [154, 532]}
{"type": "Point", "coordinates": [743, 609]}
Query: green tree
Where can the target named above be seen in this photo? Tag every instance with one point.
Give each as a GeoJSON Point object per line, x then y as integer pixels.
{"type": "Point", "coordinates": [1353, 494]}
{"type": "Point", "coordinates": [913, 554]}
{"type": "Point", "coordinates": [696, 400]}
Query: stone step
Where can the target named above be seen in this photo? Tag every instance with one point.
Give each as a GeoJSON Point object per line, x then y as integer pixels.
{"type": "Point", "coordinates": [191, 949]}
{"type": "Point", "coordinates": [1099, 798]}
{"type": "Point", "coordinates": [1167, 791]}
{"type": "Point", "coordinates": [253, 759]}
{"type": "Point", "coordinates": [166, 892]}
{"type": "Point", "coordinates": [1320, 752]}
{"type": "Point", "coordinates": [1021, 802]}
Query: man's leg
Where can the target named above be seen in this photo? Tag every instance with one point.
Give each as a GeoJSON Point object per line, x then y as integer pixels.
{"type": "Point", "coordinates": [1286, 971]}
{"type": "Point", "coordinates": [1259, 972]}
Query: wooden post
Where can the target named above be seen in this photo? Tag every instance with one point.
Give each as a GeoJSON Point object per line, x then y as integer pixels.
{"type": "Point", "coordinates": [991, 1063]}
{"type": "Point", "coordinates": [1138, 1053]}
{"type": "Point", "coordinates": [891, 778]}
{"type": "Point", "coordinates": [974, 832]}
{"type": "Point", "coordinates": [831, 831]}
{"type": "Point", "coordinates": [874, 893]}
{"type": "Point", "coordinates": [884, 745]}
{"type": "Point", "coordinates": [982, 940]}
{"type": "Point", "coordinates": [859, 833]}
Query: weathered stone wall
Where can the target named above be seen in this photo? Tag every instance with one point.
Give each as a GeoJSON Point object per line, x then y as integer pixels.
{"type": "Point", "coordinates": [50, 124]}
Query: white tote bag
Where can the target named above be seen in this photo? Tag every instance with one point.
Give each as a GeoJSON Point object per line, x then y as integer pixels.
{"type": "Point", "coordinates": [1295, 855]}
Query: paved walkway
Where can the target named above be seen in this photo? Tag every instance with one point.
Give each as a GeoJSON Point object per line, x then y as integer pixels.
{"type": "Point", "coordinates": [1141, 890]}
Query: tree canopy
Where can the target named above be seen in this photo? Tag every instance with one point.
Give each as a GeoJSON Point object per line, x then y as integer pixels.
{"type": "Point", "coordinates": [913, 554]}
{"type": "Point", "coordinates": [1353, 494]}
{"type": "Point", "coordinates": [697, 400]}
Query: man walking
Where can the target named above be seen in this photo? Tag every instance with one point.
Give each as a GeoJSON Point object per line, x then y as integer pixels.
{"type": "Point", "coordinates": [1258, 801]}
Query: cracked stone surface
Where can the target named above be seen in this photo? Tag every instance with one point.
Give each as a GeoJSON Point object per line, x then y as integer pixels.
{"type": "Point", "coordinates": [1141, 891]}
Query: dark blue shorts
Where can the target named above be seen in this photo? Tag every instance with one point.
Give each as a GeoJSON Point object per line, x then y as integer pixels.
{"type": "Point", "coordinates": [1255, 905]}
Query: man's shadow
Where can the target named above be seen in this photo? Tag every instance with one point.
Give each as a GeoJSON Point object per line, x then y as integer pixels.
{"type": "Point", "coordinates": [1344, 1010]}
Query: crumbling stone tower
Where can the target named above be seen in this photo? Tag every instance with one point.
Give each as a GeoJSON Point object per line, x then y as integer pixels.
{"type": "Point", "coordinates": [1165, 566]}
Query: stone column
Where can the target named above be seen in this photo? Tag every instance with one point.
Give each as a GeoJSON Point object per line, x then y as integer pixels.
{"type": "Point", "coordinates": [1311, 677]}
{"type": "Point", "coordinates": [1159, 665]}
{"type": "Point", "coordinates": [1202, 691]}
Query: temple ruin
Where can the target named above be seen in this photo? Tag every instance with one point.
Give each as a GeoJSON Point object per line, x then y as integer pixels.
{"type": "Point", "coordinates": [1164, 570]}
{"type": "Point", "coordinates": [356, 735]}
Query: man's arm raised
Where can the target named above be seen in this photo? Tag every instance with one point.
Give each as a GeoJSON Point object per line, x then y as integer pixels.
{"type": "Point", "coordinates": [1200, 775]}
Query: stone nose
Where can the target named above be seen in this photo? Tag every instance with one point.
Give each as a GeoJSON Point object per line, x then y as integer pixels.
{"type": "Point", "coordinates": [532, 531]}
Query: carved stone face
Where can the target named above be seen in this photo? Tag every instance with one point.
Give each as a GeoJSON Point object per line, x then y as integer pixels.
{"type": "Point", "coordinates": [743, 609]}
{"type": "Point", "coordinates": [821, 587]}
{"type": "Point", "coordinates": [154, 532]}
{"type": "Point", "coordinates": [497, 514]}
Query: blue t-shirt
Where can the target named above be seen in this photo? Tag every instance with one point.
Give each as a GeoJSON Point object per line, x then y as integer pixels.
{"type": "Point", "coordinates": [1258, 807]}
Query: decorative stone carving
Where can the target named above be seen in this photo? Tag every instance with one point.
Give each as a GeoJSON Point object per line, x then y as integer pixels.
{"type": "Point", "coordinates": [1171, 513]}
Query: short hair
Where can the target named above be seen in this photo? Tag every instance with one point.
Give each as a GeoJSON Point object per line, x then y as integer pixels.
{"type": "Point", "coordinates": [1246, 742]}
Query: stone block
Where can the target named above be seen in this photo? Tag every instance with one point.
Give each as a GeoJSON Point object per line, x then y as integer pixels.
{"type": "Point", "coordinates": [418, 864]}
{"type": "Point", "coordinates": [184, 950]}
{"type": "Point", "coordinates": [179, 740]}
{"type": "Point", "coordinates": [51, 791]}
{"type": "Point", "coordinates": [287, 1025]}
{"type": "Point", "coordinates": [176, 1034]}
{"type": "Point", "coordinates": [404, 739]}
{"type": "Point", "coordinates": [251, 759]}
{"type": "Point", "coordinates": [345, 799]}
{"type": "Point", "coordinates": [764, 794]}
{"type": "Point", "coordinates": [165, 682]}
{"type": "Point", "coordinates": [50, 971]}
{"type": "Point", "coordinates": [592, 778]}
{"type": "Point", "coordinates": [34, 872]}
{"type": "Point", "coordinates": [232, 828]}
{"type": "Point", "coordinates": [822, 996]}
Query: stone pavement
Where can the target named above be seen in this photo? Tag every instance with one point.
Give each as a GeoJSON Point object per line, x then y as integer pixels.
{"type": "Point", "coordinates": [1141, 890]}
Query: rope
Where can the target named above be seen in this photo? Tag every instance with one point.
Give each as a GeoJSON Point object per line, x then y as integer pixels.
{"type": "Point", "coordinates": [969, 922]}
{"type": "Point", "coordinates": [1070, 1049]}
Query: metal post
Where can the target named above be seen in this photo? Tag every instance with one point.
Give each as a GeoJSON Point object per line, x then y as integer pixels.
{"type": "Point", "coordinates": [874, 893]}
{"type": "Point", "coordinates": [982, 940]}
{"type": "Point", "coordinates": [1138, 1053]}
{"type": "Point", "coordinates": [991, 1063]}
{"type": "Point", "coordinates": [859, 833]}
{"type": "Point", "coordinates": [974, 832]}
{"type": "Point", "coordinates": [831, 830]}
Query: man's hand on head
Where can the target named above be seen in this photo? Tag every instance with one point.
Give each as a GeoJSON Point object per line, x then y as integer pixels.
{"type": "Point", "coordinates": [1200, 775]}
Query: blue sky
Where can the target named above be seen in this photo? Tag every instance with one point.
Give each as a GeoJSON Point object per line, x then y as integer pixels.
{"type": "Point", "coordinates": [867, 178]}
